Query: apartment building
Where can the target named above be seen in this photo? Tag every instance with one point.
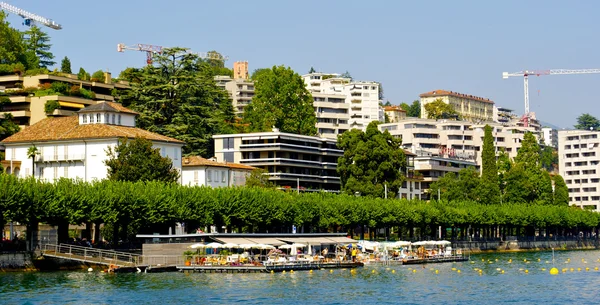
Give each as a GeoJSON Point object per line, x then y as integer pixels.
{"type": "Point", "coordinates": [550, 136]}
{"type": "Point", "coordinates": [29, 95]}
{"type": "Point", "coordinates": [361, 96]}
{"type": "Point", "coordinates": [394, 113]}
{"type": "Point", "coordinates": [411, 187]}
{"type": "Point", "coordinates": [579, 165]}
{"type": "Point", "coordinates": [469, 107]}
{"type": "Point", "coordinates": [240, 91]}
{"type": "Point", "coordinates": [332, 114]}
{"type": "Point", "coordinates": [460, 140]}
{"type": "Point", "coordinates": [292, 161]}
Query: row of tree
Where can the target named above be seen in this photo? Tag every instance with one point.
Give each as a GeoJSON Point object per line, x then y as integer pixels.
{"type": "Point", "coordinates": [147, 207]}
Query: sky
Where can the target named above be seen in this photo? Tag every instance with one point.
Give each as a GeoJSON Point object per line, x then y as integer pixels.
{"type": "Point", "coordinates": [410, 47]}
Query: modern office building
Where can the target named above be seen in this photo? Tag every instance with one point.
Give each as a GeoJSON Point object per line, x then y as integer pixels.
{"type": "Point", "coordinates": [394, 113]}
{"type": "Point", "coordinates": [361, 96]}
{"type": "Point", "coordinates": [292, 161]}
{"type": "Point", "coordinates": [29, 95]}
{"type": "Point", "coordinates": [461, 140]}
{"type": "Point", "coordinates": [198, 171]}
{"type": "Point", "coordinates": [579, 165]}
{"type": "Point", "coordinates": [76, 146]}
{"type": "Point", "coordinates": [471, 108]}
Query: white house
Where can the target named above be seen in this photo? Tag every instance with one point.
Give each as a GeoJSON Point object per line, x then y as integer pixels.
{"type": "Point", "coordinates": [198, 171]}
{"type": "Point", "coordinates": [75, 146]}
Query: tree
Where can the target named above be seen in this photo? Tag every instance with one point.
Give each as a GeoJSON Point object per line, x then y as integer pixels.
{"type": "Point", "coordinates": [281, 100]}
{"type": "Point", "coordinates": [548, 158]}
{"type": "Point", "coordinates": [440, 110]}
{"type": "Point", "coordinates": [371, 160]}
{"type": "Point", "coordinates": [137, 160]}
{"type": "Point", "coordinates": [177, 96]}
{"type": "Point", "coordinates": [539, 185]}
{"type": "Point", "coordinates": [38, 42]}
{"type": "Point", "coordinates": [83, 75]}
{"type": "Point", "coordinates": [587, 122]}
{"type": "Point", "coordinates": [32, 152]}
{"type": "Point", "coordinates": [413, 110]}
{"type": "Point", "coordinates": [256, 73]}
{"type": "Point", "coordinates": [98, 76]}
{"type": "Point", "coordinates": [387, 104]}
{"type": "Point", "coordinates": [490, 190]}
{"type": "Point", "coordinates": [529, 153]}
{"type": "Point", "coordinates": [7, 126]}
{"type": "Point", "coordinates": [561, 191]}
{"type": "Point", "coordinates": [347, 75]}
{"type": "Point", "coordinates": [65, 65]}
{"type": "Point", "coordinates": [312, 70]}
{"type": "Point", "coordinates": [14, 56]}
{"type": "Point", "coordinates": [452, 188]}
{"type": "Point", "coordinates": [258, 178]}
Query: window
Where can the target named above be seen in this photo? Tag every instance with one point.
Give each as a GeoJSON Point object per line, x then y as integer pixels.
{"type": "Point", "coordinates": [106, 118]}
{"type": "Point", "coordinates": [228, 143]}
{"type": "Point", "coordinates": [209, 175]}
{"type": "Point", "coordinates": [196, 177]}
{"type": "Point", "coordinates": [223, 177]}
{"type": "Point", "coordinates": [228, 156]}
{"type": "Point", "coordinates": [113, 118]}
{"type": "Point", "coordinates": [119, 120]}
{"type": "Point", "coordinates": [91, 118]}
{"type": "Point", "coordinates": [98, 118]}
{"type": "Point", "coordinates": [84, 119]}
{"type": "Point", "coordinates": [175, 153]}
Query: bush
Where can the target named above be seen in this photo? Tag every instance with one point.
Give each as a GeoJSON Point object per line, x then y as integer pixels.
{"type": "Point", "coordinates": [60, 87]}
{"type": "Point", "coordinates": [50, 106]}
{"type": "Point", "coordinates": [38, 71]}
{"type": "Point", "coordinates": [12, 69]}
{"type": "Point", "coordinates": [98, 76]}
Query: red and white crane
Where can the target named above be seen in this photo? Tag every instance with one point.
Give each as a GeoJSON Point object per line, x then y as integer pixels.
{"type": "Point", "coordinates": [153, 49]}
{"type": "Point", "coordinates": [30, 18]}
{"type": "Point", "coordinates": [525, 74]}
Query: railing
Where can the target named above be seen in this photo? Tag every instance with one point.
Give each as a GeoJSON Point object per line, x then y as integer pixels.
{"type": "Point", "coordinates": [92, 255]}
{"type": "Point", "coordinates": [61, 157]}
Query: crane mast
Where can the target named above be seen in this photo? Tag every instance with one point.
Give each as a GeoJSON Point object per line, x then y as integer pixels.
{"type": "Point", "coordinates": [526, 73]}
{"type": "Point", "coordinates": [29, 17]}
{"type": "Point", "coordinates": [153, 49]}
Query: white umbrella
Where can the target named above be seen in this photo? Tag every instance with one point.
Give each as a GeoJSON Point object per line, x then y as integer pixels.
{"type": "Point", "coordinates": [214, 245]}
{"type": "Point", "coordinates": [285, 246]}
{"type": "Point", "coordinates": [246, 246]}
{"type": "Point", "coordinates": [229, 246]}
{"type": "Point", "coordinates": [198, 245]}
{"type": "Point", "coordinates": [299, 245]}
{"type": "Point", "coordinates": [443, 242]}
{"type": "Point", "coordinates": [419, 243]}
{"type": "Point", "coordinates": [401, 243]}
{"type": "Point", "coordinates": [265, 247]}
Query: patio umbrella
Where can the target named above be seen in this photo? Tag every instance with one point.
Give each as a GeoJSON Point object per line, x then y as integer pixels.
{"type": "Point", "coordinates": [214, 245]}
{"type": "Point", "coordinates": [229, 246]}
{"type": "Point", "coordinates": [265, 247]}
{"type": "Point", "coordinates": [285, 246]}
{"type": "Point", "coordinates": [246, 246]}
{"type": "Point", "coordinates": [198, 245]}
{"type": "Point", "coordinates": [299, 245]}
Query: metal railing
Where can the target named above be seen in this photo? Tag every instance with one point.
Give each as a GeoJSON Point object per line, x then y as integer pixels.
{"type": "Point", "coordinates": [91, 255]}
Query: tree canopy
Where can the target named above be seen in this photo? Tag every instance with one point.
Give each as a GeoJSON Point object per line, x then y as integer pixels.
{"type": "Point", "coordinates": [371, 160]}
{"type": "Point", "coordinates": [136, 160]}
{"type": "Point", "coordinates": [38, 42]}
{"type": "Point", "coordinates": [178, 97]}
{"type": "Point", "coordinates": [413, 110]}
{"type": "Point", "coordinates": [281, 100]}
{"type": "Point", "coordinates": [490, 190]}
{"type": "Point", "coordinates": [440, 110]}
{"type": "Point", "coordinates": [65, 65]}
{"type": "Point", "coordinates": [587, 122]}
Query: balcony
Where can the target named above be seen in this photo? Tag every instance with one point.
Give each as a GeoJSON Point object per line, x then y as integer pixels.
{"type": "Point", "coordinates": [17, 113]}
{"type": "Point", "coordinates": [285, 161]}
{"type": "Point", "coordinates": [60, 158]}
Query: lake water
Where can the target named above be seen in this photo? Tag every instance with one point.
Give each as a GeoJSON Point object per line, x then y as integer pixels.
{"type": "Point", "coordinates": [368, 285]}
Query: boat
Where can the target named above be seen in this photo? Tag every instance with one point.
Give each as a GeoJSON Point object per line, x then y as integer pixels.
{"type": "Point", "coordinates": [434, 252]}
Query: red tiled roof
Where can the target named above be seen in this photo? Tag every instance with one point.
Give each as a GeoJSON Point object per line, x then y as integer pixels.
{"type": "Point", "coordinates": [199, 161]}
{"type": "Point", "coordinates": [455, 94]}
{"type": "Point", "coordinates": [393, 108]}
{"type": "Point", "coordinates": [68, 128]}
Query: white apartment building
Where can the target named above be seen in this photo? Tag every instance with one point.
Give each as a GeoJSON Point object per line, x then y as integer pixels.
{"type": "Point", "coordinates": [198, 171]}
{"type": "Point", "coordinates": [291, 160]}
{"type": "Point", "coordinates": [75, 146]}
{"type": "Point", "coordinates": [240, 91]}
{"type": "Point", "coordinates": [332, 114]}
{"type": "Point", "coordinates": [460, 140]}
{"type": "Point", "coordinates": [550, 136]}
{"type": "Point", "coordinates": [469, 107]}
{"type": "Point", "coordinates": [579, 165]}
{"type": "Point", "coordinates": [361, 96]}
{"type": "Point", "coordinates": [394, 113]}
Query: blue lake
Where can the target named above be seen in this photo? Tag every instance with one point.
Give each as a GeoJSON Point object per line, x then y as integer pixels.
{"type": "Point", "coordinates": [523, 282]}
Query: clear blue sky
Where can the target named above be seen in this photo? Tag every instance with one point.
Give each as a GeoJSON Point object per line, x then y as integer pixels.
{"type": "Point", "coordinates": [410, 47]}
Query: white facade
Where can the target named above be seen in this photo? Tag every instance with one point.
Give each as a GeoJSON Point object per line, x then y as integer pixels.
{"type": "Point", "coordinates": [332, 114]}
{"type": "Point", "coordinates": [362, 97]}
{"type": "Point", "coordinates": [457, 139]}
{"type": "Point", "coordinates": [198, 171]}
{"type": "Point", "coordinates": [550, 136]}
{"type": "Point", "coordinates": [579, 165]}
{"type": "Point", "coordinates": [240, 90]}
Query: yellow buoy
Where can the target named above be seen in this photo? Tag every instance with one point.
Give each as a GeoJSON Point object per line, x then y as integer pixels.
{"type": "Point", "coordinates": [283, 271]}
{"type": "Point", "coordinates": [272, 271]}
{"type": "Point", "coordinates": [525, 260]}
{"type": "Point", "coordinates": [578, 269]}
{"type": "Point", "coordinates": [414, 270]}
{"type": "Point", "coordinates": [539, 260]}
{"type": "Point", "coordinates": [458, 271]}
{"type": "Point", "coordinates": [596, 268]}
{"type": "Point", "coordinates": [572, 270]}
{"type": "Point", "coordinates": [291, 271]}
{"type": "Point", "coordinates": [453, 269]}
{"type": "Point", "coordinates": [393, 271]}
{"type": "Point", "coordinates": [502, 271]}
{"type": "Point", "coordinates": [587, 269]}
{"type": "Point", "coordinates": [373, 271]}
{"type": "Point", "coordinates": [482, 260]}
{"type": "Point", "coordinates": [554, 271]}
{"type": "Point", "coordinates": [472, 262]}
{"type": "Point", "coordinates": [310, 271]}
{"type": "Point", "coordinates": [437, 271]}
{"type": "Point", "coordinates": [331, 271]}
{"type": "Point", "coordinates": [526, 271]}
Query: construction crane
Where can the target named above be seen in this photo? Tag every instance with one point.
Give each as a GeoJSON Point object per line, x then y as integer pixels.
{"type": "Point", "coordinates": [525, 74]}
{"type": "Point", "coordinates": [30, 18]}
{"type": "Point", "coordinates": [152, 49]}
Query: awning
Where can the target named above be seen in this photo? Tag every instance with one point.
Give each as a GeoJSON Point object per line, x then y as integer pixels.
{"type": "Point", "coordinates": [312, 240]}
{"type": "Point", "coordinates": [343, 240]}
{"type": "Point", "coordinates": [72, 105]}
{"type": "Point", "coordinates": [266, 240]}
{"type": "Point", "coordinates": [233, 240]}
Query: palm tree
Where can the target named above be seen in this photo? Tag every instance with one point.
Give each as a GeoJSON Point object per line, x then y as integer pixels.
{"type": "Point", "coordinates": [31, 153]}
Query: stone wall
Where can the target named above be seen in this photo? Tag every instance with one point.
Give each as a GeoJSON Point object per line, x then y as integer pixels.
{"type": "Point", "coordinates": [15, 261]}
